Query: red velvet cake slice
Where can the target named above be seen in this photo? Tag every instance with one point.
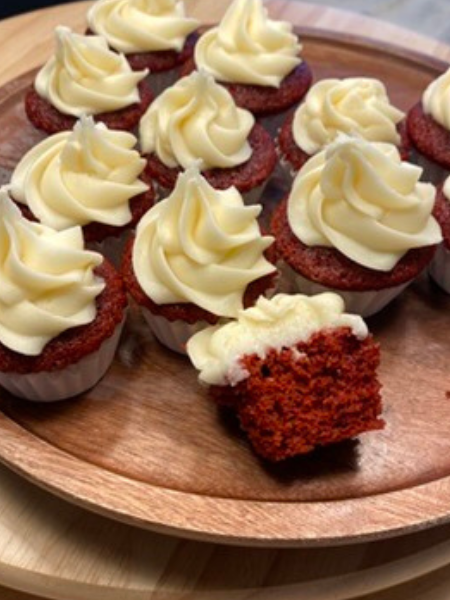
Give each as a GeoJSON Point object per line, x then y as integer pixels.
{"type": "Point", "coordinates": [298, 371]}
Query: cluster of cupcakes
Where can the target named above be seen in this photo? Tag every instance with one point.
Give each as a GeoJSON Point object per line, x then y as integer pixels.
{"type": "Point", "coordinates": [161, 140]}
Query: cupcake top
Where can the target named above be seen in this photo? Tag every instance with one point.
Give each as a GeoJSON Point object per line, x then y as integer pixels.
{"type": "Point", "coordinates": [80, 176]}
{"type": "Point", "coordinates": [247, 47]}
{"type": "Point", "coordinates": [436, 99]}
{"type": "Point", "coordinates": [196, 121]}
{"type": "Point", "coordinates": [356, 106]}
{"type": "Point", "coordinates": [47, 281]}
{"type": "Point", "coordinates": [85, 77]}
{"type": "Point", "coordinates": [200, 245]}
{"type": "Point", "coordinates": [281, 322]}
{"type": "Point", "coordinates": [360, 198]}
{"type": "Point", "coordinates": [141, 25]}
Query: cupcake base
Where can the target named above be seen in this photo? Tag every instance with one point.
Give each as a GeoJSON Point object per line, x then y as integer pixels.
{"type": "Point", "coordinates": [440, 268]}
{"type": "Point", "coordinates": [172, 334]}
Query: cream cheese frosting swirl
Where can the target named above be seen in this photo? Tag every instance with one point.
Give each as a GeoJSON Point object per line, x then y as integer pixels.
{"type": "Point", "coordinates": [436, 100]}
{"type": "Point", "coordinates": [75, 178]}
{"type": "Point", "coordinates": [85, 77]}
{"type": "Point", "coordinates": [197, 120]}
{"type": "Point", "coordinates": [200, 245]}
{"type": "Point", "coordinates": [141, 25]}
{"type": "Point", "coordinates": [360, 198]}
{"type": "Point", "coordinates": [47, 282]}
{"type": "Point", "coordinates": [281, 322]}
{"type": "Point", "coordinates": [356, 106]}
{"type": "Point", "coordinates": [249, 48]}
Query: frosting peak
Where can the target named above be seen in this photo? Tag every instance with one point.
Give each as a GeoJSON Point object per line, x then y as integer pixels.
{"type": "Point", "coordinates": [200, 245]}
{"type": "Point", "coordinates": [197, 120]}
{"type": "Point", "coordinates": [85, 77]}
{"type": "Point", "coordinates": [247, 47]}
{"type": "Point", "coordinates": [47, 283]}
{"type": "Point", "coordinates": [141, 25]}
{"type": "Point", "coordinates": [436, 100]}
{"type": "Point", "coordinates": [74, 178]}
{"type": "Point", "coordinates": [360, 198]}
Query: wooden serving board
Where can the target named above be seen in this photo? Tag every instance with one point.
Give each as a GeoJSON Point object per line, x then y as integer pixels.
{"type": "Point", "coordinates": [147, 446]}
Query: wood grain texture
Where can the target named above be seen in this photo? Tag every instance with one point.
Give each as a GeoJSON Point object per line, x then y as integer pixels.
{"type": "Point", "coordinates": [197, 475]}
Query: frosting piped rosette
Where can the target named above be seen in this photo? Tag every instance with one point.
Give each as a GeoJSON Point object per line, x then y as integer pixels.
{"type": "Point", "coordinates": [85, 77]}
{"type": "Point", "coordinates": [141, 25]}
{"type": "Point", "coordinates": [47, 281]}
{"type": "Point", "coordinates": [78, 177]}
{"type": "Point", "coordinates": [360, 198]}
{"type": "Point", "coordinates": [201, 246]}
{"type": "Point", "coordinates": [249, 48]}
{"type": "Point", "coordinates": [436, 98]}
{"type": "Point", "coordinates": [196, 121]}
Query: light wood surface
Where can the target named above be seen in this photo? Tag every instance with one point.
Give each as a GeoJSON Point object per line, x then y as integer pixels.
{"type": "Point", "coordinates": [51, 548]}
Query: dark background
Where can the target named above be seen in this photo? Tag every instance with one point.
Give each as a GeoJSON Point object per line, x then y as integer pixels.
{"type": "Point", "coordinates": [14, 7]}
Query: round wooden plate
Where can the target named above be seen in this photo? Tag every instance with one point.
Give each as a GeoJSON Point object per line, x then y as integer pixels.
{"type": "Point", "coordinates": [148, 447]}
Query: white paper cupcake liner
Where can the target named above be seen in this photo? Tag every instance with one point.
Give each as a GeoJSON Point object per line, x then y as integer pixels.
{"type": "Point", "coordinates": [160, 81]}
{"type": "Point", "coordinates": [432, 172]}
{"type": "Point", "coordinates": [439, 269]}
{"type": "Point", "coordinates": [172, 334]}
{"type": "Point", "coordinates": [365, 303]}
{"type": "Point", "coordinates": [111, 247]}
{"type": "Point", "coordinates": [51, 386]}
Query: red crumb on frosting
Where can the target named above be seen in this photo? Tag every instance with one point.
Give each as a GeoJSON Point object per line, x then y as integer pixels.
{"type": "Point", "coordinates": [185, 311]}
{"type": "Point", "coordinates": [265, 100]}
{"type": "Point", "coordinates": [244, 177]}
{"type": "Point", "coordinates": [296, 157]}
{"type": "Point", "coordinates": [97, 232]}
{"type": "Point", "coordinates": [73, 344]}
{"type": "Point", "coordinates": [317, 393]}
{"type": "Point", "coordinates": [330, 268]}
{"type": "Point", "coordinates": [429, 137]}
{"type": "Point", "coordinates": [48, 118]}
{"type": "Point", "coordinates": [441, 213]}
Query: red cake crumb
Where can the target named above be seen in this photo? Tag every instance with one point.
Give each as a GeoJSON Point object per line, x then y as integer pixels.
{"type": "Point", "coordinates": [331, 268]}
{"type": "Point", "coordinates": [320, 392]}
{"type": "Point", "coordinates": [244, 177]}
{"type": "Point", "coordinates": [429, 137]}
{"type": "Point", "coordinates": [48, 118]}
{"type": "Point", "coordinates": [265, 100]}
{"type": "Point", "coordinates": [441, 213]}
{"type": "Point", "coordinates": [185, 311]}
{"type": "Point", "coordinates": [97, 232]}
{"type": "Point", "coordinates": [297, 157]}
{"type": "Point", "coordinates": [73, 344]}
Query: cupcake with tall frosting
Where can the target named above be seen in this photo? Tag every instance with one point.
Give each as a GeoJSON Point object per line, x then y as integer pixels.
{"type": "Point", "coordinates": [198, 256]}
{"type": "Point", "coordinates": [152, 34]}
{"type": "Point", "coordinates": [257, 58]}
{"type": "Point", "coordinates": [91, 177]}
{"type": "Point", "coordinates": [356, 106]}
{"type": "Point", "coordinates": [85, 77]}
{"type": "Point", "coordinates": [429, 128]}
{"type": "Point", "coordinates": [440, 265]}
{"type": "Point", "coordinates": [196, 121]}
{"type": "Point", "coordinates": [61, 309]}
{"type": "Point", "coordinates": [359, 222]}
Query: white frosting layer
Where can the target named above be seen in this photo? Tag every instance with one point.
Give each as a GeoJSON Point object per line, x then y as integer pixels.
{"type": "Point", "coordinates": [360, 198]}
{"type": "Point", "coordinates": [85, 77]}
{"type": "Point", "coordinates": [247, 47]}
{"type": "Point", "coordinates": [357, 105]}
{"type": "Point", "coordinates": [197, 120]}
{"type": "Point", "coordinates": [200, 245]}
{"type": "Point", "coordinates": [281, 322]}
{"type": "Point", "coordinates": [75, 178]}
{"type": "Point", "coordinates": [141, 25]}
{"type": "Point", "coordinates": [436, 100]}
{"type": "Point", "coordinates": [47, 283]}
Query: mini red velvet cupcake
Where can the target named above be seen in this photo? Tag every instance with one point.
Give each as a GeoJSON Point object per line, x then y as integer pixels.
{"type": "Point", "coordinates": [357, 106]}
{"type": "Point", "coordinates": [85, 77]}
{"type": "Point", "coordinates": [429, 129]}
{"type": "Point", "coordinates": [298, 371]}
{"type": "Point", "coordinates": [197, 122]}
{"type": "Point", "coordinates": [440, 265]}
{"type": "Point", "coordinates": [198, 256]}
{"type": "Point", "coordinates": [257, 59]}
{"type": "Point", "coordinates": [60, 327]}
{"type": "Point", "coordinates": [357, 222]}
{"type": "Point", "coordinates": [152, 34]}
{"type": "Point", "coordinates": [87, 177]}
